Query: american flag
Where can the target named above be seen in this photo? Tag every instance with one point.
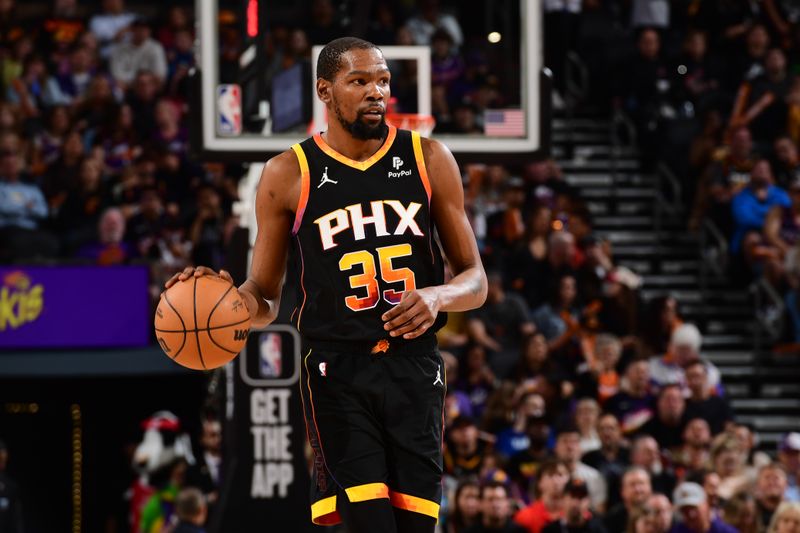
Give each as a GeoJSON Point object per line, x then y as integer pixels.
{"type": "Point", "coordinates": [504, 122]}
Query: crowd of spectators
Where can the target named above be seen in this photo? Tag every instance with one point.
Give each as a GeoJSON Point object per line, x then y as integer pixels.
{"type": "Point", "coordinates": [713, 90]}
{"type": "Point", "coordinates": [572, 404]}
{"type": "Point", "coordinates": [94, 164]}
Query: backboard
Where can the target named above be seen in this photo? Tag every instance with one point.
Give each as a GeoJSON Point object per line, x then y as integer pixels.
{"type": "Point", "coordinates": [476, 67]}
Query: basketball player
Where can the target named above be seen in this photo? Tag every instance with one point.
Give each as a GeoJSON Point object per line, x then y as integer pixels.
{"type": "Point", "coordinates": [361, 201]}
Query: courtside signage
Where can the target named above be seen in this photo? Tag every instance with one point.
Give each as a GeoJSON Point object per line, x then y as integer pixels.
{"type": "Point", "coordinates": [74, 307]}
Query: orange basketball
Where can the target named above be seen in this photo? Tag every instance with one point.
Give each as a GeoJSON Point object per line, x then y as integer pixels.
{"type": "Point", "coordinates": [202, 323]}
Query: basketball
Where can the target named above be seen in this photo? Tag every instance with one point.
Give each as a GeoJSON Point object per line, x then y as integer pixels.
{"type": "Point", "coordinates": [202, 323]}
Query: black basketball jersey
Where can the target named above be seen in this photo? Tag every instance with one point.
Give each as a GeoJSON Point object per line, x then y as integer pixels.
{"type": "Point", "coordinates": [364, 235]}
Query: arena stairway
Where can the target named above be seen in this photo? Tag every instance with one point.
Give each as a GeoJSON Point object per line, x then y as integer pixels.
{"type": "Point", "coordinates": [627, 205]}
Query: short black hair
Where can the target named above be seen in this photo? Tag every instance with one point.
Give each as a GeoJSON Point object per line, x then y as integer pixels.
{"type": "Point", "coordinates": [330, 58]}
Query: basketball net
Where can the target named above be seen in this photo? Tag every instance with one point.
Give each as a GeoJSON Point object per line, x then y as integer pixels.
{"type": "Point", "coordinates": [423, 124]}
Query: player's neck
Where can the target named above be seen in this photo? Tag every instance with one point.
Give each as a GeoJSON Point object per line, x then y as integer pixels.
{"type": "Point", "coordinates": [343, 142]}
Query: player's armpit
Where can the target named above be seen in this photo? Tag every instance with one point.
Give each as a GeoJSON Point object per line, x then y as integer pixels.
{"type": "Point", "coordinates": [276, 200]}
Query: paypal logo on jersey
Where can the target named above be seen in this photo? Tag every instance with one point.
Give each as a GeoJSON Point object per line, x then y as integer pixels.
{"type": "Point", "coordinates": [396, 164]}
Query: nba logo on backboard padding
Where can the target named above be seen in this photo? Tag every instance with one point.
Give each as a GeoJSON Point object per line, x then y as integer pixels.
{"type": "Point", "coordinates": [271, 358]}
{"type": "Point", "coordinates": [229, 109]}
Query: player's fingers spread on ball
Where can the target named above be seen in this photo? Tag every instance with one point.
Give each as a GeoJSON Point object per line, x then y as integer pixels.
{"type": "Point", "coordinates": [203, 271]}
{"type": "Point", "coordinates": [186, 274]}
{"type": "Point", "coordinates": [226, 276]}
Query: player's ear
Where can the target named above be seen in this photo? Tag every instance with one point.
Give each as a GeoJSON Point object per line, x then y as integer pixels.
{"type": "Point", "coordinates": [324, 88]}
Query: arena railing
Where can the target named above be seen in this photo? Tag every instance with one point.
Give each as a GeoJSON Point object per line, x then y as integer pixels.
{"type": "Point", "coordinates": [769, 311]}
{"type": "Point", "coordinates": [667, 197]}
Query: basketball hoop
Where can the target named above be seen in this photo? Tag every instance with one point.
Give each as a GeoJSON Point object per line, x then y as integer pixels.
{"type": "Point", "coordinates": [423, 124]}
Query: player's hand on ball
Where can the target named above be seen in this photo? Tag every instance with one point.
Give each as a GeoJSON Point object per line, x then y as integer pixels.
{"type": "Point", "coordinates": [197, 272]}
{"type": "Point", "coordinates": [415, 313]}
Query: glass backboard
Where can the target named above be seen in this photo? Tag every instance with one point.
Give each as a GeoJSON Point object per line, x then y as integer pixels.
{"type": "Point", "coordinates": [476, 67]}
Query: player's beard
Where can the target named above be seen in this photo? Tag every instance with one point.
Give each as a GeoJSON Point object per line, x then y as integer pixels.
{"type": "Point", "coordinates": [360, 129]}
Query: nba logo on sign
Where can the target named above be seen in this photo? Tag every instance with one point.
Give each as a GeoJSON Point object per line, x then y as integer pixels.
{"type": "Point", "coordinates": [229, 109]}
{"type": "Point", "coordinates": [271, 360]}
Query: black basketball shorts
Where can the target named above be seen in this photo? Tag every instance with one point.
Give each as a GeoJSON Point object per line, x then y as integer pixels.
{"type": "Point", "coordinates": [374, 422]}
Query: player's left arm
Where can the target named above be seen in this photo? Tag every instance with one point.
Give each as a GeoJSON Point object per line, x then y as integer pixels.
{"type": "Point", "coordinates": [466, 290]}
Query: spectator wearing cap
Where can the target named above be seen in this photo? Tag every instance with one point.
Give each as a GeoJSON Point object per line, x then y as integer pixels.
{"type": "Point", "coordinates": [10, 505]}
{"type": "Point", "coordinates": [140, 53]}
{"type": "Point", "coordinates": [789, 459]}
{"type": "Point", "coordinates": [636, 489]}
{"type": "Point", "coordinates": [714, 409]}
{"type": "Point", "coordinates": [551, 480]}
{"type": "Point", "coordinates": [464, 449]}
{"type": "Point", "coordinates": [577, 516]}
{"type": "Point", "coordinates": [568, 450]}
{"type": "Point", "coordinates": [669, 421]}
{"type": "Point", "coordinates": [496, 511]}
{"type": "Point", "coordinates": [770, 488]}
{"type": "Point", "coordinates": [690, 500]}
{"type": "Point", "coordinates": [633, 405]}
{"type": "Point", "coordinates": [612, 458]}
{"type": "Point", "coordinates": [685, 345]}
{"type": "Point", "coordinates": [191, 511]}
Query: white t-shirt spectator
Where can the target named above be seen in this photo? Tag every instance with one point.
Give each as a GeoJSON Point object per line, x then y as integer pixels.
{"type": "Point", "coordinates": [421, 29]}
{"type": "Point", "coordinates": [127, 60]}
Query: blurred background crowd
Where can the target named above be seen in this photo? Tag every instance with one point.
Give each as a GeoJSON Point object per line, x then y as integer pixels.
{"type": "Point", "coordinates": [573, 403]}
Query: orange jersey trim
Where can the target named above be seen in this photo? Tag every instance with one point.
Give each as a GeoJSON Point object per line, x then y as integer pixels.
{"type": "Point", "coordinates": [324, 513]}
{"type": "Point", "coordinates": [368, 491]}
{"type": "Point", "coordinates": [302, 282]}
{"type": "Point", "coordinates": [358, 165]}
{"type": "Point", "coordinates": [414, 504]}
{"type": "Point", "coordinates": [418, 155]}
{"type": "Point", "coordinates": [305, 185]}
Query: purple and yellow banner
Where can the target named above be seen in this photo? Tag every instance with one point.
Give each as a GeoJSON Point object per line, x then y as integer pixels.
{"type": "Point", "coordinates": [74, 307]}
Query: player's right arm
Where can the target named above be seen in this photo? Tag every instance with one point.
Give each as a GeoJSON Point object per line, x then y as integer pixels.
{"type": "Point", "coordinates": [277, 195]}
{"type": "Point", "coordinates": [276, 201]}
